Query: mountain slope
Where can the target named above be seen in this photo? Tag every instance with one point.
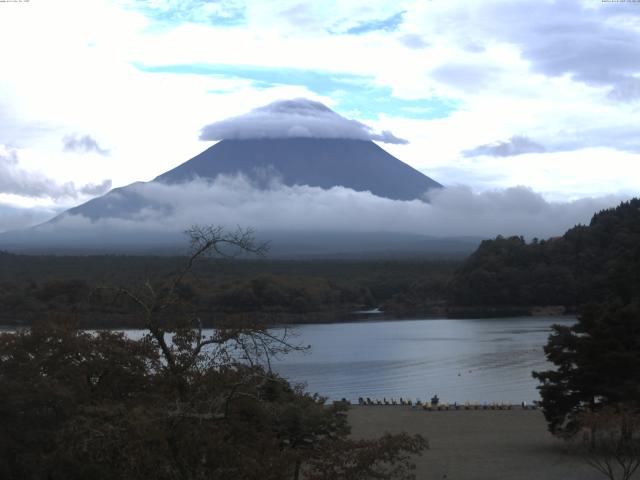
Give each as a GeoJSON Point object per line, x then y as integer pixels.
{"type": "Point", "coordinates": [318, 162]}
{"type": "Point", "coordinates": [153, 214]}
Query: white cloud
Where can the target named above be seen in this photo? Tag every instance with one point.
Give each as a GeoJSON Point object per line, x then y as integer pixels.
{"type": "Point", "coordinates": [18, 181]}
{"type": "Point", "coordinates": [231, 201]}
{"type": "Point", "coordinates": [516, 145]}
{"type": "Point", "coordinates": [293, 119]}
{"type": "Point", "coordinates": [567, 175]}
{"type": "Point", "coordinates": [82, 144]}
{"type": "Point", "coordinates": [553, 71]}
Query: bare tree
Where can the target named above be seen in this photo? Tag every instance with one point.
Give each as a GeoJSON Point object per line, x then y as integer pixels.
{"type": "Point", "coordinates": [610, 441]}
{"type": "Point", "coordinates": [179, 334]}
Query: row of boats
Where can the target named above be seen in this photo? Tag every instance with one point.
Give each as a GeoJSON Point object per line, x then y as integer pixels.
{"type": "Point", "coordinates": [435, 404]}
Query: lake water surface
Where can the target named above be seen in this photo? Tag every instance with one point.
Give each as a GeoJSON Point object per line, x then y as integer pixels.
{"type": "Point", "coordinates": [477, 360]}
{"type": "Point", "coordinates": [482, 360]}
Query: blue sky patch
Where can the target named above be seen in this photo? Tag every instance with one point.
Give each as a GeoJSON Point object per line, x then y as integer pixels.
{"type": "Point", "coordinates": [374, 101]}
{"type": "Point", "coordinates": [356, 95]}
{"type": "Point", "coordinates": [222, 13]}
{"type": "Point", "coordinates": [389, 24]}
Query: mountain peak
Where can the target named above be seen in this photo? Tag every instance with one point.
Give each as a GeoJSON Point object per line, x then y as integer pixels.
{"type": "Point", "coordinates": [290, 147]}
{"type": "Point", "coordinates": [318, 162]}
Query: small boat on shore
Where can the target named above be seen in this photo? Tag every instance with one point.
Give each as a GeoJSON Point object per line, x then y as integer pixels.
{"type": "Point", "coordinates": [372, 311]}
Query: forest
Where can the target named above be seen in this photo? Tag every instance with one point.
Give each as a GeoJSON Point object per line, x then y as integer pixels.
{"type": "Point", "coordinates": [506, 275]}
{"type": "Point", "coordinates": [589, 263]}
{"type": "Point", "coordinates": [271, 291]}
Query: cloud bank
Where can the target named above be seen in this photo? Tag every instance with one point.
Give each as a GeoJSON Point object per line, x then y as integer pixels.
{"type": "Point", "coordinates": [16, 218]}
{"type": "Point", "coordinates": [602, 42]}
{"type": "Point", "coordinates": [16, 180]}
{"type": "Point", "coordinates": [231, 201]}
{"type": "Point", "coordinates": [293, 119]}
{"type": "Point", "coordinates": [591, 42]}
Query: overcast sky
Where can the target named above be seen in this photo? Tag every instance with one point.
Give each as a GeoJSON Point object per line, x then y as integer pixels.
{"type": "Point", "coordinates": [486, 94]}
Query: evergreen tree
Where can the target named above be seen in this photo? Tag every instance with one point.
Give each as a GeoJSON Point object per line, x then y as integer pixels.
{"type": "Point", "coordinates": [597, 364]}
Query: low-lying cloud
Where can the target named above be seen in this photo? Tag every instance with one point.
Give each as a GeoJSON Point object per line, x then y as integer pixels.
{"type": "Point", "coordinates": [293, 119]}
{"type": "Point", "coordinates": [16, 218]}
{"type": "Point", "coordinates": [82, 144]}
{"type": "Point", "coordinates": [452, 211]}
{"type": "Point", "coordinates": [16, 180]}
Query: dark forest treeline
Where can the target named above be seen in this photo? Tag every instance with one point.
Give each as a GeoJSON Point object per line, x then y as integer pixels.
{"type": "Point", "coordinates": [593, 270]}
{"type": "Point", "coordinates": [592, 392]}
{"type": "Point", "coordinates": [277, 290]}
{"type": "Point", "coordinates": [589, 263]}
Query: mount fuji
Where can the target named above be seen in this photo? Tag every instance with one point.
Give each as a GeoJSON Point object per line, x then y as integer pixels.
{"type": "Point", "coordinates": [360, 165]}
{"type": "Point", "coordinates": [292, 146]}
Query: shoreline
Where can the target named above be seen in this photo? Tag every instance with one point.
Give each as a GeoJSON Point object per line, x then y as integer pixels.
{"type": "Point", "coordinates": [447, 407]}
{"type": "Point", "coordinates": [275, 320]}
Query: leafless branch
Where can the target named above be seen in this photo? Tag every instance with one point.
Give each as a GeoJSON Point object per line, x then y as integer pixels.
{"type": "Point", "coordinates": [610, 442]}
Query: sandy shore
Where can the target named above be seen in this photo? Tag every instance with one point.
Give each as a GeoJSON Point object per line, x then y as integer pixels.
{"type": "Point", "coordinates": [478, 444]}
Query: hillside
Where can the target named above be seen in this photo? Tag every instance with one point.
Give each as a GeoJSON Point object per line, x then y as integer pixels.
{"type": "Point", "coordinates": [589, 263]}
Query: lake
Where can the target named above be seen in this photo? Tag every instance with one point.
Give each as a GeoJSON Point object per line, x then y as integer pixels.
{"type": "Point", "coordinates": [477, 360]}
{"type": "Point", "coordinates": [481, 360]}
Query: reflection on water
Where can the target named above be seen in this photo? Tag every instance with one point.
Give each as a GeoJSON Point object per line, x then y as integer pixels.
{"type": "Point", "coordinates": [481, 360]}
